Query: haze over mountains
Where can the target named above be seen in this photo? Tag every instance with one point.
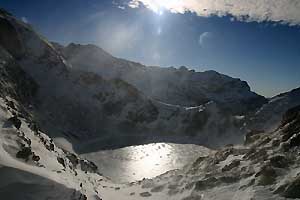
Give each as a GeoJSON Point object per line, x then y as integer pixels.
{"type": "Point", "coordinates": [125, 98]}
{"type": "Point", "coordinates": [96, 101]}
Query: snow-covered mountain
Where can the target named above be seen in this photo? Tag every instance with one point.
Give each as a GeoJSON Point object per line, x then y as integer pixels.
{"type": "Point", "coordinates": [46, 95]}
{"type": "Point", "coordinates": [175, 86]}
{"type": "Point", "coordinates": [84, 106]}
{"type": "Point", "coordinates": [268, 117]}
{"type": "Point", "coordinates": [33, 167]}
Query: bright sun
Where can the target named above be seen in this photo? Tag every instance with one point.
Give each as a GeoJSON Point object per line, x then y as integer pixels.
{"type": "Point", "coordinates": [158, 6]}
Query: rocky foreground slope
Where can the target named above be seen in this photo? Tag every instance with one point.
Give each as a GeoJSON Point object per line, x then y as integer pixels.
{"type": "Point", "coordinates": [266, 167]}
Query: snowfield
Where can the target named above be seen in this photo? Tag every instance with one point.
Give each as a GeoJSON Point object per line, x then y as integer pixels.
{"type": "Point", "coordinates": [55, 176]}
{"type": "Point", "coordinates": [47, 178]}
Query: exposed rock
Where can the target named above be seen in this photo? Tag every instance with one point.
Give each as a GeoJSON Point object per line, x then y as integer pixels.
{"type": "Point", "coordinates": [291, 115]}
{"type": "Point", "coordinates": [194, 197]}
{"type": "Point", "coordinates": [295, 140]}
{"type": "Point", "coordinates": [158, 188]}
{"type": "Point", "coordinates": [9, 38]}
{"type": "Point", "coordinates": [223, 154]}
{"type": "Point", "coordinates": [15, 121]}
{"type": "Point", "coordinates": [83, 197]}
{"type": "Point", "coordinates": [73, 159]}
{"type": "Point", "coordinates": [229, 179]}
{"type": "Point", "coordinates": [276, 143]}
{"type": "Point", "coordinates": [252, 136]}
{"type": "Point", "coordinates": [206, 183]}
{"type": "Point", "coordinates": [24, 153]}
{"type": "Point", "coordinates": [279, 161]}
{"type": "Point", "coordinates": [145, 194]}
{"type": "Point", "coordinates": [293, 189]}
{"type": "Point", "coordinates": [256, 154]}
{"type": "Point", "coordinates": [49, 146]}
{"type": "Point", "coordinates": [25, 139]}
{"type": "Point", "coordinates": [267, 175]}
{"type": "Point", "coordinates": [11, 105]}
{"type": "Point", "coordinates": [34, 127]}
{"type": "Point", "coordinates": [35, 158]}
{"type": "Point", "coordinates": [233, 164]}
{"type": "Point", "coordinates": [88, 166]}
{"type": "Point", "coordinates": [61, 161]}
{"type": "Point", "coordinates": [198, 161]}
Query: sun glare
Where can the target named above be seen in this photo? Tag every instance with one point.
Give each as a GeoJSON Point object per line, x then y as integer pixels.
{"type": "Point", "coordinates": [159, 6]}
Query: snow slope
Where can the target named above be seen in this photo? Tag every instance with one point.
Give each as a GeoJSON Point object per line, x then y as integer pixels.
{"type": "Point", "coordinates": [268, 117]}
{"type": "Point", "coordinates": [261, 170]}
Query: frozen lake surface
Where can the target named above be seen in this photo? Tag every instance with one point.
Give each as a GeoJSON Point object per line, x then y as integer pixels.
{"type": "Point", "coordinates": [144, 161]}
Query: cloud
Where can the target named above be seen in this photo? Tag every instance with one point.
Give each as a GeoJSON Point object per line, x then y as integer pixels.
{"type": "Point", "coordinates": [121, 7]}
{"type": "Point", "coordinates": [134, 4]}
{"type": "Point", "coordinates": [281, 11]}
{"type": "Point", "coordinates": [24, 19]}
{"type": "Point", "coordinates": [204, 37]}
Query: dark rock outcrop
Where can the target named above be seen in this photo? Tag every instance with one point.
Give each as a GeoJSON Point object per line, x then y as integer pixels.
{"type": "Point", "coordinates": [24, 153]}
{"type": "Point", "coordinates": [88, 166]}
{"type": "Point", "coordinates": [15, 121]}
{"type": "Point", "coordinates": [293, 189]}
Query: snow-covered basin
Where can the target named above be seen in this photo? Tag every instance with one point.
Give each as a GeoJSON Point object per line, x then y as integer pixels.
{"type": "Point", "coordinates": [134, 163]}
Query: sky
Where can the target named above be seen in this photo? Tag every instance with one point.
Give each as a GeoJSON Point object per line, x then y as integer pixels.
{"type": "Point", "coordinates": [255, 40]}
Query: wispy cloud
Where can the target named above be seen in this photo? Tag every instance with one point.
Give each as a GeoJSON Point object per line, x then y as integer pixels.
{"type": "Point", "coordinates": [121, 7]}
{"type": "Point", "coordinates": [203, 38]}
{"type": "Point", "coordinates": [134, 4]}
{"type": "Point", "coordinates": [282, 11]}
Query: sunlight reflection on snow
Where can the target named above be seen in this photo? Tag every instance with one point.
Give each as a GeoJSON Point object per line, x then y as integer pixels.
{"type": "Point", "coordinates": [150, 159]}
{"type": "Point", "coordinates": [145, 161]}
